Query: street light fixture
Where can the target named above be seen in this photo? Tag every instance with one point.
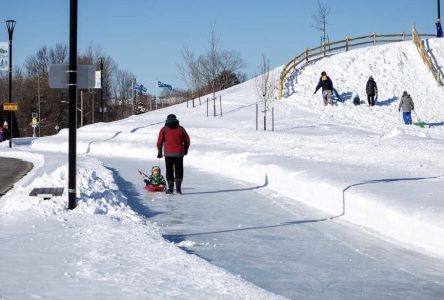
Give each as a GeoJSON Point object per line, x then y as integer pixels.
{"type": "Point", "coordinates": [10, 24]}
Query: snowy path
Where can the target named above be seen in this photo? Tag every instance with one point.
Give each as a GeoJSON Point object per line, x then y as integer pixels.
{"type": "Point", "coordinates": [277, 243]}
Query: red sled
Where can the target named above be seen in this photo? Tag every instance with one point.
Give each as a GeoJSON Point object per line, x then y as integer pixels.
{"type": "Point", "coordinates": [154, 188]}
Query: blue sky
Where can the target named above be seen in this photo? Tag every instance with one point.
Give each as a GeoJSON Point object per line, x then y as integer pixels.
{"type": "Point", "coordinates": [146, 36]}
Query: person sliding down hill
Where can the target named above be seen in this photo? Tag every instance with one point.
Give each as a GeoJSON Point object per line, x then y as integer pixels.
{"type": "Point", "coordinates": [155, 182]}
{"type": "Point", "coordinates": [327, 88]}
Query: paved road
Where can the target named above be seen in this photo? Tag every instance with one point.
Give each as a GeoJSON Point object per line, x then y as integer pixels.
{"type": "Point", "coordinates": [11, 170]}
{"type": "Point", "coordinates": [278, 244]}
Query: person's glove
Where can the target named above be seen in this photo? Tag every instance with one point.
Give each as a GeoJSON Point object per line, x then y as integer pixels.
{"type": "Point", "coordinates": [314, 93]}
{"type": "Point", "coordinates": [185, 152]}
{"type": "Point", "coordinates": [159, 153]}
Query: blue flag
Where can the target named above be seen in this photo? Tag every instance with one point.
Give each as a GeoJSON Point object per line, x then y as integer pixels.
{"type": "Point", "coordinates": [139, 87]}
{"type": "Point", "coordinates": [164, 85]}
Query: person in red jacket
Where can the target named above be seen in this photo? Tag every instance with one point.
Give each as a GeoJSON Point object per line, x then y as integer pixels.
{"type": "Point", "coordinates": [175, 142]}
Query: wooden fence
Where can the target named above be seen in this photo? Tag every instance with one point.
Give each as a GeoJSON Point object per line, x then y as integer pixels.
{"type": "Point", "coordinates": [338, 46]}
{"type": "Point", "coordinates": [425, 57]}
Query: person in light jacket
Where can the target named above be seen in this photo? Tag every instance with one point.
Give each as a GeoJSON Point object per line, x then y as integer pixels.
{"type": "Point", "coordinates": [407, 105]}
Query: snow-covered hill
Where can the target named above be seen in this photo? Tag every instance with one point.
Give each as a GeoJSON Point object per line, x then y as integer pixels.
{"type": "Point", "coordinates": [357, 162]}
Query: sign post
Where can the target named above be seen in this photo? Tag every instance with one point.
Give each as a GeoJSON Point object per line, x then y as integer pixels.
{"type": "Point", "coordinates": [34, 122]}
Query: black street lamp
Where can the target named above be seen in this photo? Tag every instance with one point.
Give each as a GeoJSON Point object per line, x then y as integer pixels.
{"type": "Point", "coordinates": [10, 24]}
{"type": "Point", "coordinates": [439, 32]}
{"type": "Point", "coordinates": [101, 88]}
{"type": "Point", "coordinates": [72, 96]}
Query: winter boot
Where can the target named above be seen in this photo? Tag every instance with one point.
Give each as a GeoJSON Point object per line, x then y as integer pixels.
{"type": "Point", "coordinates": [170, 187]}
{"type": "Point", "coordinates": [178, 186]}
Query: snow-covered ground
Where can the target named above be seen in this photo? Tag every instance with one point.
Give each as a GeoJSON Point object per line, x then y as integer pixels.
{"type": "Point", "coordinates": [358, 163]}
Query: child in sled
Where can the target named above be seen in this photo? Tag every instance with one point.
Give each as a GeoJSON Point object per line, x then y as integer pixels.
{"type": "Point", "coordinates": [155, 182]}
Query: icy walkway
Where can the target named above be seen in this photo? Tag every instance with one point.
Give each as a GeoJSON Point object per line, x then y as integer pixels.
{"type": "Point", "coordinates": [280, 245]}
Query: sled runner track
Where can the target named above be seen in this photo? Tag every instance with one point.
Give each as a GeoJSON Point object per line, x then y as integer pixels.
{"type": "Point", "coordinates": [239, 108]}
{"type": "Point", "coordinates": [105, 140]}
{"type": "Point", "coordinates": [149, 125]}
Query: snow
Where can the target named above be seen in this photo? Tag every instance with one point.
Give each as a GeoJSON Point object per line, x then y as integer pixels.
{"type": "Point", "coordinates": [358, 164]}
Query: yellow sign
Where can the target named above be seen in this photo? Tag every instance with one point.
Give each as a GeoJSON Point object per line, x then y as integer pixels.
{"type": "Point", "coordinates": [10, 106]}
{"type": "Point", "coordinates": [34, 121]}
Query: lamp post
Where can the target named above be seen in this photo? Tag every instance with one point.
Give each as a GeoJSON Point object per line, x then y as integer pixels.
{"type": "Point", "coordinates": [10, 24]}
{"type": "Point", "coordinates": [72, 96]}
{"type": "Point", "coordinates": [101, 88]}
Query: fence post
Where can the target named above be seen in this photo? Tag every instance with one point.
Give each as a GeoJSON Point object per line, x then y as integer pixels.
{"type": "Point", "coordinates": [324, 48]}
{"type": "Point", "coordinates": [220, 101]}
{"type": "Point", "coordinates": [207, 107]}
{"type": "Point", "coordinates": [272, 119]}
{"type": "Point", "coordinates": [257, 116]}
{"type": "Point", "coordinates": [187, 99]}
{"type": "Point", "coordinates": [346, 43]}
{"type": "Point", "coordinates": [374, 38]}
{"type": "Point", "coordinates": [214, 106]}
{"type": "Point", "coordinates": [306, 55]}
{"type": "Point", "coordinates": [403, 36]}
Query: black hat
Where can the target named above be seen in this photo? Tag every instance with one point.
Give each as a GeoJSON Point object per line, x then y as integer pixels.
{"type": "Point", "coordinates": [323, 73]}
{"type": "Point", "coordinates": [171, 119]}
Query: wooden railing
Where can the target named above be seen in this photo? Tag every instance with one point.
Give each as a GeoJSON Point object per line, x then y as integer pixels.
{"type": "Point", "coordinates": [425, 57]}
{"type": "Point", "coordinates": [338, 46]}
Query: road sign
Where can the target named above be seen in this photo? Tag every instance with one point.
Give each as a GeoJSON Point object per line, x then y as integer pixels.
{"type": "Point", "coordinates": [10, 106]}
{"type": "Point", "coordinates": [59, 76]}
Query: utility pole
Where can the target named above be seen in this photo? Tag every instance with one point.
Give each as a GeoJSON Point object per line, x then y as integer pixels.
{"type": "Point", "coordinates": [38, 96]}
{"type": "Point", "coordinates": [101, 90]}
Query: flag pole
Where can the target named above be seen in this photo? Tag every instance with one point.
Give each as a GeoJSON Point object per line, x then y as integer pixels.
{"type": "Point", "coordinates": [132, 90]}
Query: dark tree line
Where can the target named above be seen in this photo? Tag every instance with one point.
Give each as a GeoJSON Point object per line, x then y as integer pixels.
{"type": "Point", "coordinates": [30, 89]}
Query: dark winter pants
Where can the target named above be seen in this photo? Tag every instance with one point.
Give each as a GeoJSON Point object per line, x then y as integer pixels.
{"type": "Point", "coordinates": [174, 168]}
{"type": "Point", "coordinates": [371, 100]}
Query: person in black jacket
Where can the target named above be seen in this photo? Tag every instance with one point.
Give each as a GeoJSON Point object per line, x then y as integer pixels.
{"type": "Point", "coordinates": [327, 88]}
{"type": "Point", "coordinates": [372, 91]}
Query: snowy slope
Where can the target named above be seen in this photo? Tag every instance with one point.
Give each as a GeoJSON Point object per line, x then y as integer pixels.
{"type": "Point", "coordinates": [321, 150]}
{"type": "Point", "coordinates": [360, 163]}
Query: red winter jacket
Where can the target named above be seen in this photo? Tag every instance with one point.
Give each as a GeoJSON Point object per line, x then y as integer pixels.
{"type": "Point", "coordinates": [175, 141]}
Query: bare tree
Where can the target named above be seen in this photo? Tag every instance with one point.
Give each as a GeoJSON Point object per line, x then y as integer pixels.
{"type": "Point", "coordinates": [265, 86]}
{"type": "Point", "coordinates": [190, 73]}
{"type": "Point", "coordinates": [320, 19]}
{"type": "Point", "coordinates": [207, 71]}
{"type": "Point", "coordinates": [123, 83]}
{"type": "Point", "coordinates": [39, 63]}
